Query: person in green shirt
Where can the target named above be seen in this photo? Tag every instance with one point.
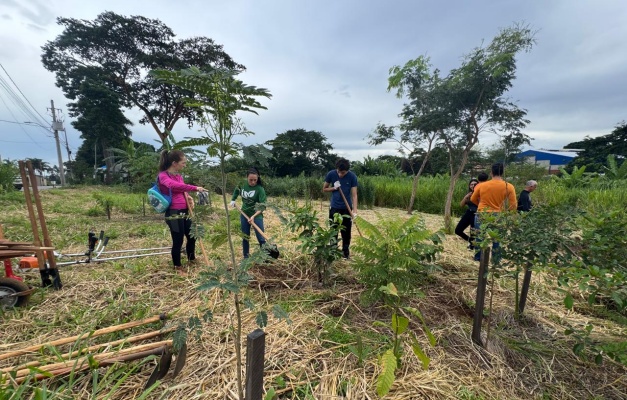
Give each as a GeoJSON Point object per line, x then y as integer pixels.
{"type": "Point", "coordinates": [252, 192]}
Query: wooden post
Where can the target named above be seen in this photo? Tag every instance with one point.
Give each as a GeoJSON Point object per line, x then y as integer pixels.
{"type": "Point", "coordinates": [482, 282]}
{"type": "Point", "coordinates": [40, 214]}
{"type": "Point", "coordinates": [525, 289]}
{"type": "Point", "coordinates": [31, 215]}
{"type": "Point", "coordinates": [255, 352]}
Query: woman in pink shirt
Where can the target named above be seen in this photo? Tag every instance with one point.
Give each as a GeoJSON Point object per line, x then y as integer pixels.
{"type": "Point", "coordinates": [170, 180]}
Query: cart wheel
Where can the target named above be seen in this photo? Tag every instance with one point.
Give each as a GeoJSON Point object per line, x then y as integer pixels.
{"type": "Point", "coordinates": [10, 286]}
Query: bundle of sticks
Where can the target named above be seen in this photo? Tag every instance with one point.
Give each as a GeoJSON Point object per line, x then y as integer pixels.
{"type": "Point", "coordinates": [83, 359]}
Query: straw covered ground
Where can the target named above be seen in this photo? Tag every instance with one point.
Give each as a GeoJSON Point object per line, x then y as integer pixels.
{"type": "Point", "coordinates": [313, 356]}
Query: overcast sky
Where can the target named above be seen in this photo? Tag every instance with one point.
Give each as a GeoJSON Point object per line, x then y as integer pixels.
{"type": "Point", "coordinates": [326, 62]}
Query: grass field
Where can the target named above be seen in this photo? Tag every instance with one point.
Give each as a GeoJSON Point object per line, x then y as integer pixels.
{"type": "Point", "coordinates": [314, 356]}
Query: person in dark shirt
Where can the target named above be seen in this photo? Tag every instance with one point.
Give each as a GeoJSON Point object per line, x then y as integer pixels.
{"type": "Point", "coordinates": [468, 218]}
{"type": "Point", "coordinates": [524, 200]}
{"type": "Point", "coordinates": [344, 180]}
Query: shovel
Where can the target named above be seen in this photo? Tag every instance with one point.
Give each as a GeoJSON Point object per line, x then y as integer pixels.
{"type": "Point", "coordinates": [349, 210]}
{"type": "Point", "coordinates": [272, 249]}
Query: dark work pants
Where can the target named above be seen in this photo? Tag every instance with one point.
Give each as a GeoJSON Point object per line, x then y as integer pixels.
{"type": "Point", "coordinates": [180, 228]}
{"type": "Point", "coordinates": [467, 220]}
{"type": "Point", "coordinates": [347, 222]}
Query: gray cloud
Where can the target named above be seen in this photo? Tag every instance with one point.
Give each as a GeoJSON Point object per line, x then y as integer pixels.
{"type": "Point", "coordinates": [326, 62]}
{"type": "Point", "coordinates": [35, 11]}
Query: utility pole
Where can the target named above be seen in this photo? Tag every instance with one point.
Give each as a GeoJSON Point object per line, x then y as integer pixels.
{"type": "Point", "coordinates": [55, 128]}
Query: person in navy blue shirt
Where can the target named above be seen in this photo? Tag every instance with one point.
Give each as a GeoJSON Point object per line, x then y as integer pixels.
{"type": "Point", "coordinates": [341, 178]}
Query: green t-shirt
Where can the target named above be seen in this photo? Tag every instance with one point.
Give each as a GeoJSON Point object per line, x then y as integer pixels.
{"type": "Point", "coordinates": [251, 195]}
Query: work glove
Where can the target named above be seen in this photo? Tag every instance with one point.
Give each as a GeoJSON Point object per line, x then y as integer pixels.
{"type": "Point", "coordinates": [337, 185]}
{"type": "Point", "coordinates": [232, 203]}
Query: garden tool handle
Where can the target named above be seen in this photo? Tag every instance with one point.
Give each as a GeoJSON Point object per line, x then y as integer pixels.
{"type": "Point", "coordinates": [202, 246]}
{"type": "Point", "coordinates": [262, 233]}
{"type": "Point", "coordinates": [349, 210]}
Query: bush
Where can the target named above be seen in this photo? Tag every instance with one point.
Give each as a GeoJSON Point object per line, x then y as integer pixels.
{"type": "Point", "coordinates": [397, 252]}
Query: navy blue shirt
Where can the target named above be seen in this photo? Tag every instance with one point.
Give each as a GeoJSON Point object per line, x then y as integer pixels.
{"type": "Point", "coordinates": [348, 182]}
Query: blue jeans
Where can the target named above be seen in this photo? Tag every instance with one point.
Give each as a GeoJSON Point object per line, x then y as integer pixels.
{"type": "Point", "coordinates": [496, 247]}
{"type": "Point", "coordinates": [246, 231]}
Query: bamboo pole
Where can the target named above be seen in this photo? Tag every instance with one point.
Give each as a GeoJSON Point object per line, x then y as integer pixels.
{"type": "Point", "coordinates": [95, 333]}
{"type": "Point", "coordinates": [80, 362]}
{"type": "Point", "coordinates": [101, 363]}
{"type": "Point", "coordinates": [131, 339]}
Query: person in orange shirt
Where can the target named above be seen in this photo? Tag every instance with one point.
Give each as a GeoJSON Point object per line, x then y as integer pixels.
{"type": "Point", "coordinates": [495, 196]}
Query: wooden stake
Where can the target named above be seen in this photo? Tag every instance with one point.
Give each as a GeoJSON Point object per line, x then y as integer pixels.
{"type": "Point", "coordinates": [95, 333]}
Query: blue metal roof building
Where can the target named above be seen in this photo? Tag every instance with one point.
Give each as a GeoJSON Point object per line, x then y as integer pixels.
{"type": "Point", "coordinates": [552, 159]}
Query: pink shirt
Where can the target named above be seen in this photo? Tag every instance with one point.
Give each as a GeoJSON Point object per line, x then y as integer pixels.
{"type": "Point", "coordinates": [174, 182]}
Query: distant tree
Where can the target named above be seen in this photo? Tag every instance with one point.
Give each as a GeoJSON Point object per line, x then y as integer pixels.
{"type": "Point", "coordinates": [380, 166]}
{"type": "Point", "coordinates": [508, 146]}
{"type": "Point", "coordinates": [416, 80]}
{"type": "Point", "coordinates": [471, 100]}
{"type": "Point", "coordinates": [137, 160]}
{"type": "Point", "coordinates": [118, 51]}
{"type": "Point", "coordinates": [299, 151]}
{"type": "Point", "coordinates": [596, 150]}
{"type": "Point", "coordinates": [39, 165]}
{"type": "Point", "coordinates": [101, 122]}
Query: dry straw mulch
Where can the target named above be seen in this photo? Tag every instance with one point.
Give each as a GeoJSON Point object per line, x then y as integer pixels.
{"type": "Point", "coordinates": [525, 359]}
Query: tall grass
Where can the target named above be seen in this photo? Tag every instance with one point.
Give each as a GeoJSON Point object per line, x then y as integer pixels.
{"type": "Point", "coordinates": [395, 192]}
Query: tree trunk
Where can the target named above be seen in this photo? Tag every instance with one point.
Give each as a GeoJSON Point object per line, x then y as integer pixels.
{"type": "Point", "coordinates": [414, 187]}
{"type": "Point", "coordinates": [448, 226]}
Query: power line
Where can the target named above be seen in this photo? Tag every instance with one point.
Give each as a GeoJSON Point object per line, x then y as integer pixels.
{"type": "Point", "coordinates": [25, 98]}
{"type": "Point", "coordinates": [17, 101]}
{"type": "Point", "coordinates": [21, 127]}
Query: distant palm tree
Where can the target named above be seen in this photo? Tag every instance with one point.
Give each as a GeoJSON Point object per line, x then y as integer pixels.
{"type": "Point", "coordinates": [39, 165]}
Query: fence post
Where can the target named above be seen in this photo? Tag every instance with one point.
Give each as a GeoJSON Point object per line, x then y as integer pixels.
{"type": "Point", "coordinates": [524, 291]}
{"type": "Point", "coordinates": [480, 300]}
{"type": "Point", "coordinates": [255, 353]}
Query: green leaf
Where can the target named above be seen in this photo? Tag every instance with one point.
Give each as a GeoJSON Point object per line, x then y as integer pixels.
{"type": "Point", "coordinates": [280, 313]}
{"type": "Point", "coordinates": [425, 328]}
{"type": "Point", "coordinates": [568, 301]}
{"type": "Point", "coordinates": [270, 394]}
{"type": "Point", "coordinates": [262, 319]}
{"type": "Point", "coordinates": [578, 348]}
{"type": "Point", "coordinates": [417, 349]}
{"type": "Point", "coordinates": [248, 303]}
{"type": "Point", "coordinates": [390, 289]}
{"type": "Point", "coordinates": [598, 359]}
{"type": "Point", "coordinates": [385, 380]}
{"type": "Point", "coordinates": [399, 324]}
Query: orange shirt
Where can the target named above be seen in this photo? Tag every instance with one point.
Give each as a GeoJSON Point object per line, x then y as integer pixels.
{"type": "Point", "coordinates": [491, 195]}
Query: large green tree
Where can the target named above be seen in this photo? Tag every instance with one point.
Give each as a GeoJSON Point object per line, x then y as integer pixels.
{"type": "Point", "coordinates": [101, 122]}
{"type": "Point", "coordinates": [596, 150]}
{"type": "Point", "coordinates": [118, 51]}
{"type": "Point", "coordinates": [299, 151]}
